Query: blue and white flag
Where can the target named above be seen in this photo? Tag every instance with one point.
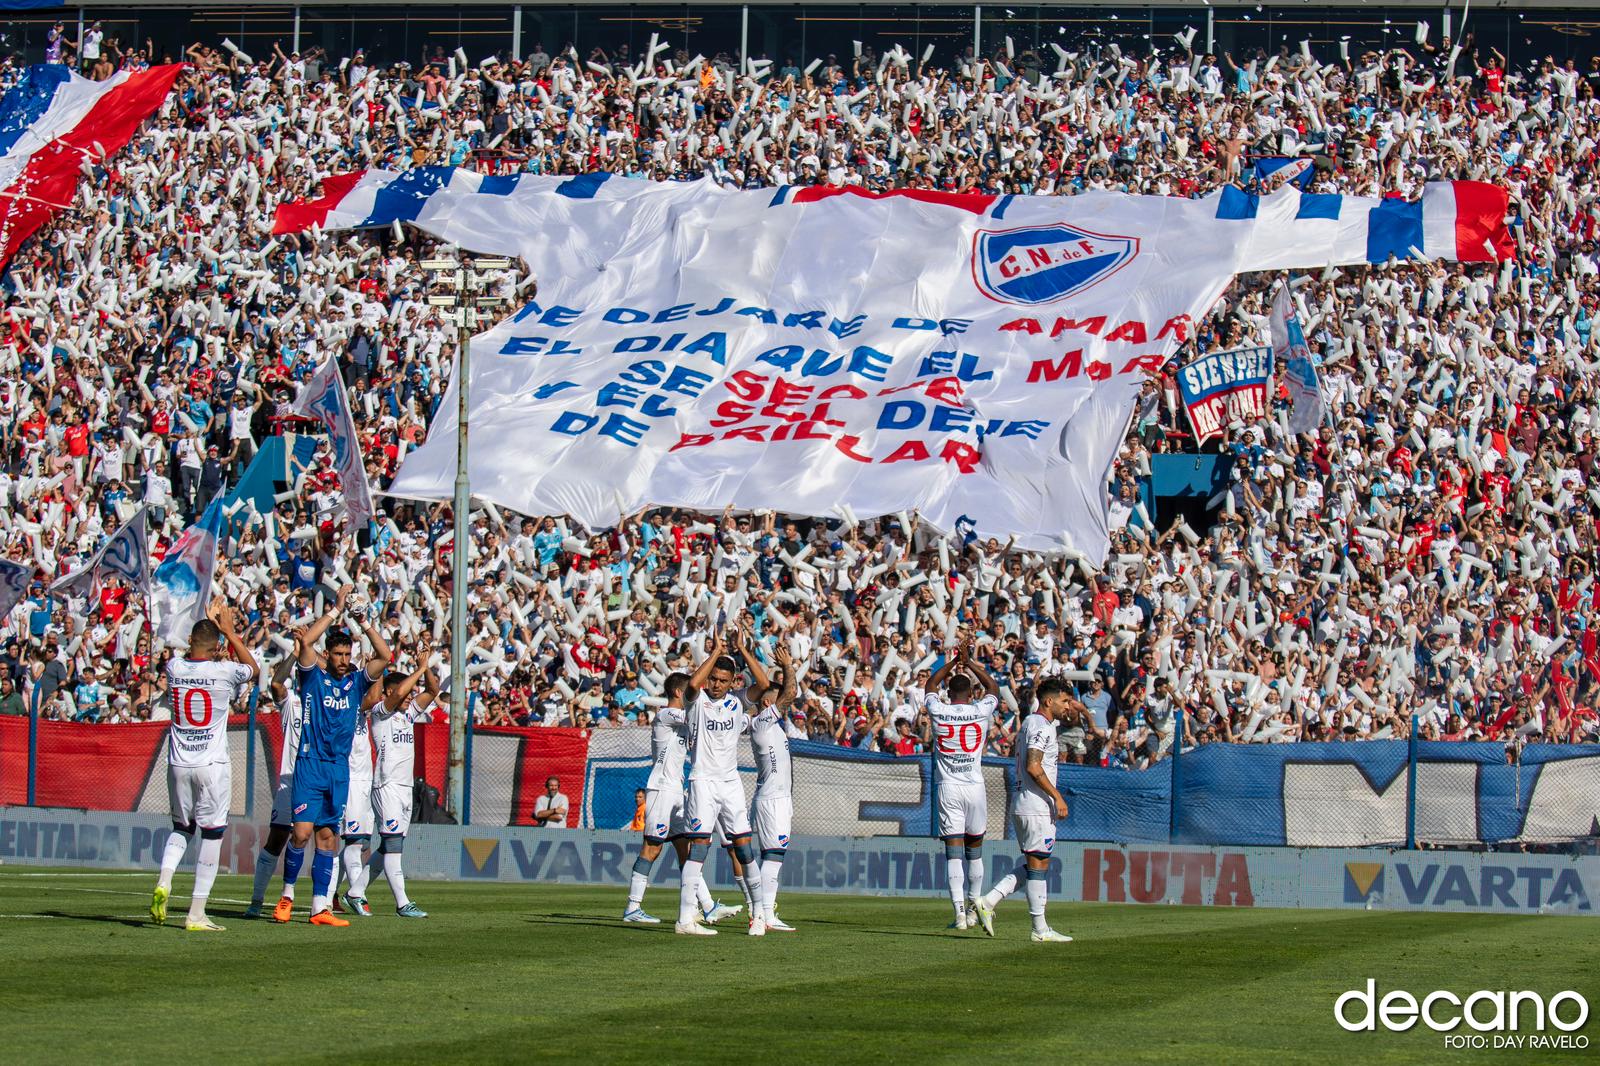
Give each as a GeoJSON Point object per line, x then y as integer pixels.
{"type": "Point", "coordinates": [181, 584]}
{"type": "Point", "coordinates": [324, 399]}
{"type": "Point", "coordinates": [14, 581]}
{"type": "Point", "coordinates": [125, 554]}
{"type": "Point", "coordinates": [1290, 349]}
{"type": "Point", "coordinates": [1276, 171]}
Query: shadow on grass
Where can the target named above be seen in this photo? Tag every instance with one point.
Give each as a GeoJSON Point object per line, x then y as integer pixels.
{"type": "Point", "coordinates": [590, 919]}
{"type": "Point", "coordinates": [132, 923]}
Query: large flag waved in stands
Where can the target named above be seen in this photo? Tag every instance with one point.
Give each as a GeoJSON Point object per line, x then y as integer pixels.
{"type": "Point", "coordinates": [53, 121]}
{"type": "Point", "coordinates": [1290, 349]}
{"type": "Point", "coordinates": [812, 348]}
{"type": "Point", "coordinates": [181, 584]}
{"type": "Point", "coordinates": [324, 399]}
{"type": "Point", "coordinates": [14, 581]}
{"type": "Point", "coordinates": [125, 554]}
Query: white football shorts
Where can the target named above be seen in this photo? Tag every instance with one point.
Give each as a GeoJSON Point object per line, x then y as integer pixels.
{"type": "Point", "coordinates": [200, 794]}
{"type": "Point", "coordinates": [1036, 833]}
{"type": "Point", "coordinates": [392, 805]}
{"type": "Point", "coordinates": [663, 814]}
{"type": "Point", "coordinates": [963, 810]}
{"type": "Point", "coordinates": [771, 817]}
{"type": "Point", "coordinates": [718, 804]}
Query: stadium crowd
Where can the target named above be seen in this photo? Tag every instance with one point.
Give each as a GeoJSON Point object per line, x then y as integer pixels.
{"type": "Point", "coordinates": [1432, 550]}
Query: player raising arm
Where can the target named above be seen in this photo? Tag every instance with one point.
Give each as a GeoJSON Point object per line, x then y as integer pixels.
{"type": "Point", "coordinates": [663, 806]}
{"type": "Point", "coordinates": [960, 728]}
{"type": "Point", "coordinates": [772, 811]}
{"type": "Point", "coordinates": [202, 686]}
{"type": "Point", "coordinates": [1036, 809]}
{"type": "Point", "coordinates": [281, 822]}
{"type": "Point", "coordinates": [395, 710]}
{"type": "Point", "coordinates": [356, 827]}
{"type": "Point", "coordinates": [716, 719]}
{"type": "Point", "coordinates": [332, 695]}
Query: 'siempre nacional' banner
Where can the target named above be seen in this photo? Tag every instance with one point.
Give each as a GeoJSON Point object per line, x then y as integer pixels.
{"type": "Point", "coordinates": [1221, 388]}
{"type": "Point", "coordinates": [975, 357]}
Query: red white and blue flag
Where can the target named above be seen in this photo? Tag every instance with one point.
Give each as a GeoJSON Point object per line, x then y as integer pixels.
{"type": "Point", "coordinates": [51, 122]}
{"type": "Point", "coordinates": [181, 584]}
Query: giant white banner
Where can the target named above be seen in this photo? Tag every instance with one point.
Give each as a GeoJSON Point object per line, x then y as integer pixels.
{"type": "Point", "coordinates": [974, 357]}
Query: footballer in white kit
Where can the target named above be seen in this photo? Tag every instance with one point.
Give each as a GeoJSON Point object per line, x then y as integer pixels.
{"type": "Point", "coordinates": [202, 686]}
{"type": "Point", "coordinates": [716, 720]}
{"type": "Point", "coordinates": [1036, 807]}
{"type": "Point", "coordinates": [357, 827]}
{"type": "Point", "coordinates": [772, 810]}
{"type": "Point", "coordinates": [293, 719]}
{"type": "Point", "coordinates": [663, 792]}
{"type": "Point", "coordinates": [663, 806]}
{"type": "Point", "coordinates": [958, 729]}
{"type": "Point", "coordinates": [280, 823]}
{"type": "Point", "coordinates": [395, 713]}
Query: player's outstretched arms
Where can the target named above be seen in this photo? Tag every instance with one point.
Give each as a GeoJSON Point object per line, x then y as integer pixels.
{"type": "Point", "coordinates": [702, 672]}
{"type": "Point", "coordinates": [306, 638]}
{"type": "Point", "coordinates": [786, 664]}
{"type": "Point", "coordinates": [979, 673]}
{"type": "Point", "coordinates": [223, 615]}
{"type": "Point", "coordinates": [746, 645]}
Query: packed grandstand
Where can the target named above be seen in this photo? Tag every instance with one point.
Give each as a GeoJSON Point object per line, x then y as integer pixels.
{"type": "Point", "coordinates": [155, 333]}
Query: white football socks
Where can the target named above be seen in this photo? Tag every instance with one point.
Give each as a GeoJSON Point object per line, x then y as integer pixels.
{"type": "Point", "coordinates": [171, 856]}
{"type": "Point", "coordinates": [1036, 898]}
{"type": "Point", "coordinates": [687, 896]}
{"type": "Point", "coordinates": [771, 871]}
{"type": "Point", "coordinates": [955, 871]}
{"type": "Point", "coordinates": [975, 877]}
{"type": "Point", "coordinates": [356, 869]}
{"type": "Point", "coordinates": [397, 878]}
{"type": "Point", "coordinates": [205, 875]}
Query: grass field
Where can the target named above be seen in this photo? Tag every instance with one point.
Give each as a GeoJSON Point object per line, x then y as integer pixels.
{"type": "Point", "coordinates": [505, 973]}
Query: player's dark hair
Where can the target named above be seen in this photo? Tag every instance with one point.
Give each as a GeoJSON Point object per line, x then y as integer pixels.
{"type": "Point", "coordinates": [1052, 686]}
{"type": "Point", "coordinates": [725, 662]}
{"type": "Point", "coordinates": [960, 685]}
{"type": "Point", "coordinates": [677, 684]}
{"type": "Point", "coordinates": [205, 633]}
{"type": "Point", "coordinates": [340, 638]}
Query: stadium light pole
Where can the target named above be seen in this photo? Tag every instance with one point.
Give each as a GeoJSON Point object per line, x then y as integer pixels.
{"type": "Point", "coordinates": [462, 283]}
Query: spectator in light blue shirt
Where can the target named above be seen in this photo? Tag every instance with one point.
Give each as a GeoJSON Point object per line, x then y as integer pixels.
{"type": "Point", "coordinates": [89, 697]}
{"type": "Point", "coordinates": [547, 542]}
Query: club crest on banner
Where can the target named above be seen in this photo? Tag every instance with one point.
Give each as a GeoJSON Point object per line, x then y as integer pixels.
{"type": "Point", "coordinates": [1038, 264]}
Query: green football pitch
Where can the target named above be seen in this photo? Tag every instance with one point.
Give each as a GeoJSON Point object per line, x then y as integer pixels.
{"type": "Point", "coordinates": [511, 973]}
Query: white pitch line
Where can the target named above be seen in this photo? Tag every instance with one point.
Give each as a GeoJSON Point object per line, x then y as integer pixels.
{"type": "Point", "coordinates": [124, 892]}
{"type": "Point", "coordinates": [65, 917]}
{"type": "Point", "coordinates": [110, 873]}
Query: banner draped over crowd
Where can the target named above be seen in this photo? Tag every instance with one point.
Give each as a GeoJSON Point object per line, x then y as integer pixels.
{"type": "Point", "coordinates": [827, 351]}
